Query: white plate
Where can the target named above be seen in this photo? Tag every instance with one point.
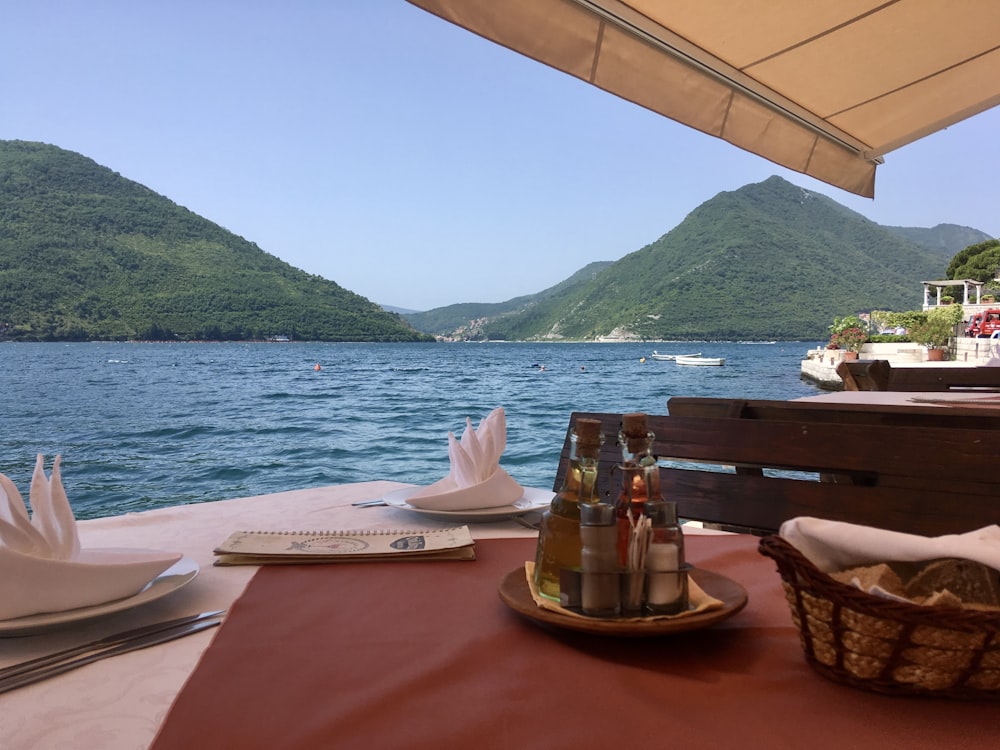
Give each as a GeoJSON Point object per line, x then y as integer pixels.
{"type": "Point", "coordinates": [176, 576]}
{"type": "Point", "coordinates": [532, 499]}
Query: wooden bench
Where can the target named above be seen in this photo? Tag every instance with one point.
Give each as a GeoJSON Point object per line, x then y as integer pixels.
{"type": "Point", "coordinates": [899, 415]}
{"type": "Point", "coordinates": [753, 474]}
{"type": "Point", "coordinates": [879, 375]}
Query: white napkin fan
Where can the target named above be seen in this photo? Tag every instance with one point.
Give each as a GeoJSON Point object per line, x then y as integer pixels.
{"type": "Point", "coordinates": [43, 568]}
{"type": "Point", "coordinates": [476, 479]}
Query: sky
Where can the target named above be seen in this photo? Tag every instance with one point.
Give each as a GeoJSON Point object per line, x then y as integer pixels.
{"type": "Point", "coordinates": [406, 159]}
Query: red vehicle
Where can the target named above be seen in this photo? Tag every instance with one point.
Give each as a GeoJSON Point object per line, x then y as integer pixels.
{"type": "Point", "coordinates": [972, 327]}
{"type": "Point", "coordinates": [983, 325]}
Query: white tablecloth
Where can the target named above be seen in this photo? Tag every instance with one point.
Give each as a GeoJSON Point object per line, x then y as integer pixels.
{"type": "Point", "coordinates": [119, 703]}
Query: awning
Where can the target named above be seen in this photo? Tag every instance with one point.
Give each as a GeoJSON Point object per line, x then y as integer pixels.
{"type": "Point", "coordinates": [823, 88]}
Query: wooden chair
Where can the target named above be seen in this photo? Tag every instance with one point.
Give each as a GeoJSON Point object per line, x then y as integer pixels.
{"type": "Point", "coordinates": [753, 474]}
{"type": "Point", "coordinates": [864, 374]}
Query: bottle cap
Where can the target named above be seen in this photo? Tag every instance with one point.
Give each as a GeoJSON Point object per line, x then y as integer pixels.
{"type": "Point", "coordinates": [597, 514]}
{"type": "Point", "coordinates": [634, 424]}
{"type": "Point", "coordinates": [588, 431]}
{"type": "Point", "coordinates": [662, 513]}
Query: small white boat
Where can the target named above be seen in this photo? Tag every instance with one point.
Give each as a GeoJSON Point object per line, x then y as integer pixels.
{"type": "Point", "coordinates": [700, 360]}
{"type": "Point", "coordinates": [672, 357]}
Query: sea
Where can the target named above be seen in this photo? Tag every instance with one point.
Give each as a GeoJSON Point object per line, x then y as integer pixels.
{"type": "Point", "coordinates": [149, 425]}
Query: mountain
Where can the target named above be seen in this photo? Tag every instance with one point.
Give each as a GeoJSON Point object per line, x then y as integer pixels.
{"type": "Point", "coordinates": [398, 310]}
{"type": "Point", "coordinates": [943, 239]}
{"type": "Point", "coordinates": [768, 261]}
{"type": "Point", "coordinates": [466, 320]}
{"type": "Point", "coordinates": [88, 254]}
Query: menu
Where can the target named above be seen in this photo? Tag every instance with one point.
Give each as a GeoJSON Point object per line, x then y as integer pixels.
{"type": "Point", "coordinates": [300, 547]}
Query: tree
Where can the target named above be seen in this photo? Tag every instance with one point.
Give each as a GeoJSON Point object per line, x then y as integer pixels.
{"type": "Point", "coordinates": [979, 262]}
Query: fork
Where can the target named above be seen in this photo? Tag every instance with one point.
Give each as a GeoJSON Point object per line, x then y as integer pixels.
{"type": "Point", "coordinates": [369, 503]}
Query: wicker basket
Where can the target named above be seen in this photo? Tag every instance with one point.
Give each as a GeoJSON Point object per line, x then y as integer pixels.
{"type": "Point", "coordinates": [887, 646]}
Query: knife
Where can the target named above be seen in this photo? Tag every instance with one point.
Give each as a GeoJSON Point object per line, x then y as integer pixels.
{"type": "Point", "coordinates": [110, 640]}
{"type": "Point", "coordinates": [51, 669]}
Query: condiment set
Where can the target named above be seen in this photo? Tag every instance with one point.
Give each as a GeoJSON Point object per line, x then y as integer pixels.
{"type": "Point", "coordinates": [612, 559]}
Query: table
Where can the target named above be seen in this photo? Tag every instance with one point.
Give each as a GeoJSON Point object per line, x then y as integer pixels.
{"type": "Point", "coordinates": [425, 656]}
{"type": "Point", "coordinates": [905, 398]}
{"type": "Point", "coordinates": [119, 703]}
{"type": "Point", "coordinates": [412, 655]}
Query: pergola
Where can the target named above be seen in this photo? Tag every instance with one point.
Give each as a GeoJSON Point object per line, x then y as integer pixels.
{"type": "Point", "coordinates": [967, 284]}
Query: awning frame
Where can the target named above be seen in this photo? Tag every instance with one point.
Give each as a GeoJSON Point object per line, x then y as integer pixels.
{"type": "Point", "coordinates": [667, 41]}
{"type": "Point", "coordinates": [823, 89]}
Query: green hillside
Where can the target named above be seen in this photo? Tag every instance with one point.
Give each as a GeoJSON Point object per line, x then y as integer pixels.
{"type": "Point", "coordinates": [768, 261]}
{"type": "Point", "coordinates": [88, 254]}
{"type": "Point", "coordinates": [944, 239]}
{"type": "Point", "coordinates": [466, 320]}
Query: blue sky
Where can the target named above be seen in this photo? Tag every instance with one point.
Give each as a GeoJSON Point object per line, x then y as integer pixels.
{"type": "Point", "coordinates": [408, 160]}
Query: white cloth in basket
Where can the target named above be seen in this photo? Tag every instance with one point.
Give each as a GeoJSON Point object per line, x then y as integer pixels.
{"type": "Point", "coordinates": [834, 545]}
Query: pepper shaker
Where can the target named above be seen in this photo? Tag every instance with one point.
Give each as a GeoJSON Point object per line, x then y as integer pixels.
{"type": "Point", "coordinates": [599, 560]}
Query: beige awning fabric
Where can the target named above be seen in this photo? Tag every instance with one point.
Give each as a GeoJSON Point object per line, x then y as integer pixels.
{"type": "Point", "coordinates": [823, 88]}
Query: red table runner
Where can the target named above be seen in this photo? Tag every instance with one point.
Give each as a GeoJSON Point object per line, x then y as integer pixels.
{"type": "Point", "coordinates": [425, 655]}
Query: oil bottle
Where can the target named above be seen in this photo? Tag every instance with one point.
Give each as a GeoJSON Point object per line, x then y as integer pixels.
{"type": "Point", "coordinates": [559, 535]}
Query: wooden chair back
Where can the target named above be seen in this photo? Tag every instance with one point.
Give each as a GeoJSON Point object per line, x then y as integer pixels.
{"type": "Point", "coordinates": [948, 378]}
{"type": "Point", "coordinates": [753, 474]}
{"type": "Point", "coordinates": [864, 374]}
{"type": "Point", "coordinates": [899, 415]}
{"type": "Point", "coordinates": [879, 375]}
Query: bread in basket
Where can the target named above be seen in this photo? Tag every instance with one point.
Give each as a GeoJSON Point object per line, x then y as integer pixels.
{"type": "Point", "coordinates": [887, 645]}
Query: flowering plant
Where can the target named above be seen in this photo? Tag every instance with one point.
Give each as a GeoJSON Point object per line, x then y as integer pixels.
{"type": "Point", "coordinates": [849, 333]}
{"type": "Point", "coordinates": [851, 339]}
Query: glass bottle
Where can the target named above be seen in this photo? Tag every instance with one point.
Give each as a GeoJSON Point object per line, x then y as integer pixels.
{"type": "Point", "coordinates": [559, 533]}
{"type": "Point", "coordinates": [666, 571]}
{"type": "Point", "coordinates": [640, 478]}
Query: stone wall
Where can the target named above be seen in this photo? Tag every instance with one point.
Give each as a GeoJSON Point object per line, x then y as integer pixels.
{"type": "Point", "coordinates": [820, 365]}
{"type": "Point", "coordinates": [974, 351]}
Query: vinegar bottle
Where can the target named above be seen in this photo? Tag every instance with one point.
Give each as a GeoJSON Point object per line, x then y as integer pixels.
{"type": "Point", "coordinates": [559, 534]}
{"type": "Point", "coordinates": [640, 478]}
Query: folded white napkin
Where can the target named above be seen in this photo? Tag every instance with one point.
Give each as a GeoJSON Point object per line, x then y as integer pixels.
{"type": "Point", "coordinates": [832, 545]}
{"type": "Point", "coordinates": [476, 479]}
{"type": "Point", "coordinates": [43, 569]}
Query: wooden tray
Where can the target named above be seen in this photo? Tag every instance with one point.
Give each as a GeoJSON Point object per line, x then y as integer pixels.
{"type": "Point", "coordinates": [515, 594]}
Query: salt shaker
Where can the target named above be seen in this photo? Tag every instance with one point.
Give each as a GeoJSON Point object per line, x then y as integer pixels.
{"type": "Point", "coordinates": [599, 560]}
{"type": "Point", "coordinates": [666, 572]}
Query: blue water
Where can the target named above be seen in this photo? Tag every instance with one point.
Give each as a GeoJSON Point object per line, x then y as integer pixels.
{"type": "Point", "coordinates": [150, 425]}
